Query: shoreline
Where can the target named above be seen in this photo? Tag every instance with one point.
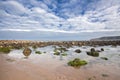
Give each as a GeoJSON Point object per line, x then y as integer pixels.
{"type": "Point", "coordinates": [24, 43]}
{"type": "Point", "coordinates": [47, 66]}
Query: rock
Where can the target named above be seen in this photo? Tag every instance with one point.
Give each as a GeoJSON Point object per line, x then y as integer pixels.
{"type": "Point", "coordinates": [78, 51]}
{"type": "Point", "coordinates": [62, 49]}
{"type": "Point", "coordinates": [34, 47]}
{"type": "Point", "coordinates": [77, 62]}
{"type": "Point", "coordinates": [98, 50]}
{"type": "Point", "coordinates": [92, 50]}
{"type": "Point", "coordinates": [56, 53]}
{"type": "Point", "coordinates": [94, 54]}
{"type": "Point", "coordinates": [88, 53]}
{"type": "Point", "coordinates": [27, 52]}
{"type": "Point", "coordinates": [38, 52]}
{"type": "Point", "coordinates": [64, 54]}
{"type": "Point", "coordinates": [102, 49]}
{"type": "Point", "coordinates": [104, 58]}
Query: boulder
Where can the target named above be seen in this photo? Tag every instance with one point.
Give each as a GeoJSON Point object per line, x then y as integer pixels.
{"type": "Point", "coordinates": [92, 50]}
{"type": "Point", "coordinates": [27, 52]}
{"type": "Point", "coordinates": [78, 51]}
{"type": "Point", "coordinates": [94, 54]}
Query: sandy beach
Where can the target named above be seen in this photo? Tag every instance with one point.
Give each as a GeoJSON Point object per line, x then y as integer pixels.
{"type": "Point", "coordinates": [59, 39]}
{"type": "Point", "coordinates": [13, 66]}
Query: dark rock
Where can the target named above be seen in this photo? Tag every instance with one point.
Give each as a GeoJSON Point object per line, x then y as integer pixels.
{"type": "Point", "coordinates": [102, 49]}
{"type": "Point", "coordinates": [92, 50]}
{"type": "Point", "coordinates": [94, 54]}
{"type": "Point", "coordinates": [38, 52]}
{"type": "Point", "coordinates": [104, 58]}
{"type": "Point", "coordinates": [98, 50]}
{"type": "Point", "coordinates": [78, 51]}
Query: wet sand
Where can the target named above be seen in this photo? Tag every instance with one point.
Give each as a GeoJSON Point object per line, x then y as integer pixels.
{"type": "Point", "coordinates": [11, 69]}
{"type": "Point", "coordinates": [23, 70]}
{"type": "Point", "coordinates": [45, 67]}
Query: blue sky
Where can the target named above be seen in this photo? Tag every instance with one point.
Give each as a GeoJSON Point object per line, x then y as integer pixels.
{"type": "Point", "coordinates": [59, 19]}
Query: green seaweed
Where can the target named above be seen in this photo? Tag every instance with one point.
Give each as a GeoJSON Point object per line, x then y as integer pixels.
{"type": "Point", "coordinates": [38, 52]}
{"type": "Point", "coordinates": [64, 54]}
{"type": "Point", "coordinates": [56, 53]}
{"type": "Point", "coordinates": [94, 54]}
{"type": "Point", "coordinates": [77, 62]}
{"type": "Point", "coordinates": [5, 50]}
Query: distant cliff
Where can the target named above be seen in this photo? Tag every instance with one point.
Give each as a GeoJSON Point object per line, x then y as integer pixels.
{"type": "Point", "coordinates": [107, 38]}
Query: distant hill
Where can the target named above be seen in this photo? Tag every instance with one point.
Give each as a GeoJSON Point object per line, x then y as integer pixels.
{"type": "Point", "coordinates": [107, 38]}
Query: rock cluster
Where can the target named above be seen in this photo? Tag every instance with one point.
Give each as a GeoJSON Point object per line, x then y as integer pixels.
{"type": "Point", "coordinates": [22, 43]}
{"type": "Point", "coordinates": [93, 52]}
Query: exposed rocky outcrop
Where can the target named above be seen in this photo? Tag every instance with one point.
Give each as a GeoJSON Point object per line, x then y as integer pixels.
{"type": "Point", "coordinates": [23, 43]}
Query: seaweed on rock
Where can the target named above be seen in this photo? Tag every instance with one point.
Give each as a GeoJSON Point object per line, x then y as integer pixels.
{"type": "Point", "coordinates": [77, 62]}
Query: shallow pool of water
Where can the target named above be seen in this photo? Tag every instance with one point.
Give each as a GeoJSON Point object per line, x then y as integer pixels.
{"type": "Point", "coordinates": [96, 69]}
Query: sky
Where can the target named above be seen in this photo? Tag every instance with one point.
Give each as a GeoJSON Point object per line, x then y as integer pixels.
{"type": "Point", "coordinates": [59, 19]}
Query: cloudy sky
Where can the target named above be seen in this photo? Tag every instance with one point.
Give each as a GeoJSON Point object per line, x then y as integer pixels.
{"type": "Point", "coordinates": [59, 19]}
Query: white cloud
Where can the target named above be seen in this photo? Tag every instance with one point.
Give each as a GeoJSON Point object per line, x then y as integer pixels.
{"type": "Point", "coordinates": [39, 10]}
{"type": "Point", "coordinates": [110, 17]}
{"type": "Point", "coordinates": [13, 7]}
{"type": "Point", "coordinates": [16, 17]}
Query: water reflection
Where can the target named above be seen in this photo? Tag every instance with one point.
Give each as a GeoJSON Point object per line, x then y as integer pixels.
{"type": "Point", "coordinates": [58, 63]}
